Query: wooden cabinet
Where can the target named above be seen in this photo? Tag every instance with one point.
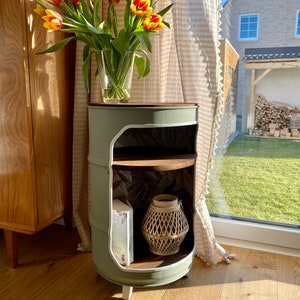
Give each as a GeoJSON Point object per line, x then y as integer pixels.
{"type": "Point", "coordinates": [136, 152]}
{"type": "Point", "coordinates": [36, 104]}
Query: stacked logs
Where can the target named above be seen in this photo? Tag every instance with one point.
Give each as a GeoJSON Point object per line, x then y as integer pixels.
{"type": "Point", "coordinates": [276, 119]}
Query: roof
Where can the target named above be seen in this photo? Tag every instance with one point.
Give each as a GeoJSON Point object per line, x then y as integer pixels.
{"type": "Point", "coordinates": [271, 53]}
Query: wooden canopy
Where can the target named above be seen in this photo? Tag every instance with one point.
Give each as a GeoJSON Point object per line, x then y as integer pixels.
{"type": "Point", "coordinates": [269, 64]}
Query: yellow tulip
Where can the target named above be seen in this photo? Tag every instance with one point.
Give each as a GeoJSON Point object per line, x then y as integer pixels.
{"type": "Point", "coordinates": [140, 7]}
{"type": "Point", "coordinates": [53, 20]}
{"type": "Point", "coordinates": [152, 21]}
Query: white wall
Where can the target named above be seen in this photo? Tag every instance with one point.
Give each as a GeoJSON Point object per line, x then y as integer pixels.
{"type": "Point", "coordinates": [281, 86]}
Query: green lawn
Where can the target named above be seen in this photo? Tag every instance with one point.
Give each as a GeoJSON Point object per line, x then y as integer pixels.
{"type": "Point", "coordinates": [257, 178]}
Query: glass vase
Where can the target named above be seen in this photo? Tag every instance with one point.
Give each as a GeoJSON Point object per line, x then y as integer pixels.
{"type": "Point", "coordinates": [115, 74]}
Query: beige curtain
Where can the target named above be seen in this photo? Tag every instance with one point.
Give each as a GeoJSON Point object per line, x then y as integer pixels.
{"type": "Point", "coordinates": [185, 67]}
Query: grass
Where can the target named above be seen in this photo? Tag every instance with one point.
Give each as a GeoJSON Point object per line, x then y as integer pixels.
{"type": "Point", "coordinates": [257, 178]}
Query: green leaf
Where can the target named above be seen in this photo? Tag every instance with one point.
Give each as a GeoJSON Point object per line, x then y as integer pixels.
{"type": "Point", "coordinates": [144, 40]}
{"type": "Point", "coordinates": [112, 19]}
{"type": "Point", "coordinates": [96, 18]}
{"type": "Point", "coordinates": [102, 41]}
{"type": "Point", "coordinates": [142, 63]}
{"type": "Point", "coordinates": [165, 10]}
{"type": "Point", "coordinates": [127, 15]}
{"type": "Point", "coordinates": [86, 71]}
{"type": "Point", "coordinates": [121, 43]}
{"type": "Point", "coordinates": [57, 46]}
{"type": "Point", "coordinates": [86, 53]}
{"type": "Point", "coordinates": [70, 21]}
{"type": "Point", "coordinates": [42, 4]}
{"type": "Point", "coordinates": [86, 12]}
{"type": "Point", "coordinates": [167, 24]}
{"type": "Point", "coordinates": [90, 27]}
{"type": "Point", "coordinates": [71, 30]}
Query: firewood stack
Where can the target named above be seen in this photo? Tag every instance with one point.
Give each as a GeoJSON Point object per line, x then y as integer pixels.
{"type": "Point", "coordinates": [276, 119]}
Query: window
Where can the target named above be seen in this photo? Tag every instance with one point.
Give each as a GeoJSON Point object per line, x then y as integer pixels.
{"type": "Point", "coordinates": [231, 73]}
{"type": "Point", "coordinates": [280, 230]}
{"type": "Point", "coordinates": [298, 24]}
{"type": "Point", "coordinates": [255, 204]}
{"type": "Point", "coordinates": [248, 27]}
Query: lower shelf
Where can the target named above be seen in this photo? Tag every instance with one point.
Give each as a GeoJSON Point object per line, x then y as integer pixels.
{"type": "Point", "coordinates": [146, 270]}
{"type": "Point", "coordinates": [156, 261]}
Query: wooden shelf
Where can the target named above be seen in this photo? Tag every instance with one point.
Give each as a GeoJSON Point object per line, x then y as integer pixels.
{"type": "Point", "coordinates": [155, 261]}
{"type": "Point", "coordinates": [152, 159]}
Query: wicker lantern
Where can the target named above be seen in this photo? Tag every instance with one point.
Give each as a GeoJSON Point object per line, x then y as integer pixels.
{"type": "Point", "coordinates": [164, 225]}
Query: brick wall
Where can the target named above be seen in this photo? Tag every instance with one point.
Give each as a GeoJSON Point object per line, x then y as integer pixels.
{"type": "Point", "coordinates": [277, 21]}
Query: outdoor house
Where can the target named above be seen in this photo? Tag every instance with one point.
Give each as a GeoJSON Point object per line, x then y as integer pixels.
{"type": "Point", "coordinates": [268, 43]}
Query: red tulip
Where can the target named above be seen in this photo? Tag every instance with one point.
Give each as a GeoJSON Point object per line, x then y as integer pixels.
{"type": "Point", "coordinates": [56, 2]}
{"type": "Point", "coordinates": [139, 7]}
{"type": "Point", "coordinates": [152, 21]}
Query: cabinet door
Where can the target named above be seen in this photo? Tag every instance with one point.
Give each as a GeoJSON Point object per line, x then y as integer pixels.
{"type": "Point", "coordinates": [36, 112]}
{"type": "Point", "coordinates": [51, 90]}
{"type": "Point", "coordinates": [16, 180]}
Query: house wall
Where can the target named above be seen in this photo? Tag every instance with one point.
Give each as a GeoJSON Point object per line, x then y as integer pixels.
{"type": "Point", "coordinates": [277, 22]}
{"type": "Point", "coordinates": [271, 86]}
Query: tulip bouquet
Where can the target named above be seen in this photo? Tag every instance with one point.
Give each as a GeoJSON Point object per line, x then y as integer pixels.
{"type": "Point", "coordinates": [115, 49]}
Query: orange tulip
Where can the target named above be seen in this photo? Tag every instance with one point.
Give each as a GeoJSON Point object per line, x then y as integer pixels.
{"type": "Point", "coordinates": [53, 20]}
{"type": "Point", "coordinates": [152, 21]}
{"type": "Point", "coordinates": [39, 10]}
{"type": "Point", "coordinates": [139, 7]}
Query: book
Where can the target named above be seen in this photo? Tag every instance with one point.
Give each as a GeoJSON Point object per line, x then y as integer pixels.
{"type": "Point", "coordinates": [122, 232]}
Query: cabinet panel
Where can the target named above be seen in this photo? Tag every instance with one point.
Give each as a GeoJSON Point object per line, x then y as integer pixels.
{"type": "Point", "coordinates": [51, 90]}
{"type": "Point", "coordinates": [36, 116]}
{"type": "Point", "coordinates": [16, 192]}
{"type": "Point", "coordinates": [36, 112]}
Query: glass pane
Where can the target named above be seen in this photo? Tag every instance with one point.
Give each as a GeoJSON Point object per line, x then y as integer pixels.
{"type": "Point", "coordinates": [253, 26]}
{"type": "Point", "coordinates": [252, 33]}
{"type": "Point", "coordinates": [244, 20]}
{"type": "Point", "coordinates": [243, 34]}
{"type": "Point", "coordinates": [244, 27]}
{"type": "Point", "coordinates": [257, 178]}
{"type": "Point", "coordinates": [253, 19]}
{"type": "Point", "coordinates": [256, 173]}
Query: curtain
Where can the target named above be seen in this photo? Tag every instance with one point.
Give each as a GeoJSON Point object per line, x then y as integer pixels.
{"type": "Point", "coordinates": [185, 67]}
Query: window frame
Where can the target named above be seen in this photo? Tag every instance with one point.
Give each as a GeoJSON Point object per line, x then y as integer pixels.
{"type": "Point", "coordinates": [297, 25]}
{"type": "Point", "coordinates": [257, 29]}
{"type": "Point", "coordinates": [257, 236]}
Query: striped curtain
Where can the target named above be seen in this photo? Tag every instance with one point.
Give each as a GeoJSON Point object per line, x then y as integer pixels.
{"type": "Point", "coordinates": [185, 67]}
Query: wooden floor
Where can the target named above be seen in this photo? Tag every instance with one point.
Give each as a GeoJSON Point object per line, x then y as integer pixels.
{"type": "Point", "coordinates": [51, 268]}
